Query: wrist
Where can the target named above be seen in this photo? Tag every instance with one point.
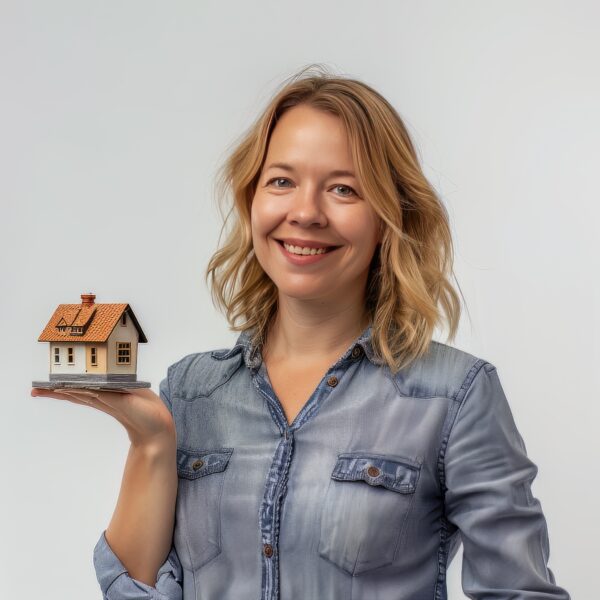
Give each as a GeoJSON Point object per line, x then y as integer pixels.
{"type": "Point", "coordinates": [164, 445]}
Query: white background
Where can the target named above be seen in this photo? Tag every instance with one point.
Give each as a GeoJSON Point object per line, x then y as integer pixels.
{"type": "Point", "coordinates": [113, 119]}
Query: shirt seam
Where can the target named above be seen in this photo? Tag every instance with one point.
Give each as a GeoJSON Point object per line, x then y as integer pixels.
{"type": "Point", "coordinates": [457, 399]}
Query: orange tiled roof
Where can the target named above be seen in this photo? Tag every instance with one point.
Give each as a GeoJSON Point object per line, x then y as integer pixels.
{"type": "Point", "coordinates": [100, 320]}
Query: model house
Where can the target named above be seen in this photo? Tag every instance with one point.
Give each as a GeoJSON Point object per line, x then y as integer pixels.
{"type": "Point", "coordinates": [93, 343]}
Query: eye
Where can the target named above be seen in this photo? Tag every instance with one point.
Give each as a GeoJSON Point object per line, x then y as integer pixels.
{"type": "Point", "coordinates": [350, 192]}
{"type": "Point", "coordinates": [341, 185]}
{"type": "Point", "coordinates": [277, 179]}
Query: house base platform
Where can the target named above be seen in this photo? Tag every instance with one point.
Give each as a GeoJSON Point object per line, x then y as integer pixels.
{"type": "Point", "coordinates": [106, 385]}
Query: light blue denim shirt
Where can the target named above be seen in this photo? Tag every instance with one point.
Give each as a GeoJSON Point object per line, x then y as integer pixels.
{"type": "Point", "coordinates": [367, 494]}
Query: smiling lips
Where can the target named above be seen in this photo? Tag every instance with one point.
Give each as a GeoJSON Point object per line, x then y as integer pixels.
{"type": "Point", "coordinates": [305, 247]}
{"type": "Point", "coordinates": [303, 252]}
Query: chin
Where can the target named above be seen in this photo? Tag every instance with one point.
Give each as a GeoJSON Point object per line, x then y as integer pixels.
{"type": "Point", "coordinates": [303, 292]}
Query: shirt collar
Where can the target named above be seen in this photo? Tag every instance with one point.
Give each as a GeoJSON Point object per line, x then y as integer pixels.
{"type": "Point", "coordinates": [252, 357]}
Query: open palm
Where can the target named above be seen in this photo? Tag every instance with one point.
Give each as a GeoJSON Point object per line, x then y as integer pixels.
{"type": "Point", "coordinates": [141, 411]}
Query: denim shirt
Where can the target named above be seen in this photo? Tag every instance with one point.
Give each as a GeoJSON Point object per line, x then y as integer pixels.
{"type": "Point", "coordinates": [369, 492]}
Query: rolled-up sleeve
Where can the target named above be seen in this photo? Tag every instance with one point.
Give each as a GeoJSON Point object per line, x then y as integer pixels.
{"type": "Point", "coordinates": [488, 497]}
{"type": "Point", "coordinates": [116, 584]}
{"type": "Point", "coordinates": [114, 580]}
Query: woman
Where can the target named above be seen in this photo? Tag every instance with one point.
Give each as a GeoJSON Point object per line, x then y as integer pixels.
{"type": "Point", "coordinates": [335, 451]}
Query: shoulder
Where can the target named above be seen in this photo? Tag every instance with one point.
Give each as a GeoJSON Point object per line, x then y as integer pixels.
{"type": "Point", "coordinates": [443, 371]}
{"type": "Point", "coordinates": [200, 373]}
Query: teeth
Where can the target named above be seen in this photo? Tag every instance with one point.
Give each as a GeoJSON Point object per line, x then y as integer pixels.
{"type": "Point", "coordinates": [304, 251]}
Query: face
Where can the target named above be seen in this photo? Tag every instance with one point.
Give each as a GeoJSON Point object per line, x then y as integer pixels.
{"type": "Point", "coordinates": [301, 198]}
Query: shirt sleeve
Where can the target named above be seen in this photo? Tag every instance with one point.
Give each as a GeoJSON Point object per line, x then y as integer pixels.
{"type": "Point", "coordinates": [114, 580]}
{"type": "Point", "coordinates": [116, 584]}
{"type": "Point", "coordinates": [488, 497]}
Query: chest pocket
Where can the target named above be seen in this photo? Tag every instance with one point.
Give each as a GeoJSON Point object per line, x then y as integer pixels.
{"type": "Point", "coordinates": [197, 533]}
{"type": "Point", "coordinates": [366, 506]}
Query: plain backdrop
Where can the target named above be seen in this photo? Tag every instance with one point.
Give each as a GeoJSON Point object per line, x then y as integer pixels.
{"type": "Point", "coordinates": [113, 119]}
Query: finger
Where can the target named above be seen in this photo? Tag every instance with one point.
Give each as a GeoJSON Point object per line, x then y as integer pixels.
{"type": "Point", "coordinates": [78, 393]}
{"type": "Point", "coordinates": [122, 399]}
{"type": "Point", "coordinates": [49, 393]}
{"type": "Point", "coordinates": [60, 395]}
{"type": "Point", "coordinates": [75, 392]}
{"type": "Point", "coordinates": [86, 398]}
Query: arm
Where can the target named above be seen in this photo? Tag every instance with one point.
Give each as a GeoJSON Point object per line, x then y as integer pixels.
{"type": "Point", "coordinates": [134, 557]}
{"type": "Point", "coordinates": [488, 497]}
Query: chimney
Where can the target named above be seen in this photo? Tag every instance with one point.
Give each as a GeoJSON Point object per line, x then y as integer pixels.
{"type": "Point", "coordinates": [87, 299]}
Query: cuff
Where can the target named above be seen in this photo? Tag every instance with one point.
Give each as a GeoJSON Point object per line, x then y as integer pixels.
{"type": "Point", "coordinates": [116, 584]}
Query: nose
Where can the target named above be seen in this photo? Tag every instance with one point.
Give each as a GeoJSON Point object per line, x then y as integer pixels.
{"type": "Point", "coordinates": [306, 208]}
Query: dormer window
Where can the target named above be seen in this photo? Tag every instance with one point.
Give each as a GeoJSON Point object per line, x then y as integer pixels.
{"type": "Point", "coordinates": [124, 319]}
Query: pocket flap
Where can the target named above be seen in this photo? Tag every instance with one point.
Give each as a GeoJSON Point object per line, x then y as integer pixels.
{"type": "Point", "coordinates": [192, 464]}
{"type": "Point", "coordinates": [396, 474]}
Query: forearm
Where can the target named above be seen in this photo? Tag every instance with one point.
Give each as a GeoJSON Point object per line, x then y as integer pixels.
{"type": "Point", "coordinates": [141, 529]}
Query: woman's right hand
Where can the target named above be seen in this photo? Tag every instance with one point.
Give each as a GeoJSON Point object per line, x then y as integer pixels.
{"type": "Point", "coordinates": [142, 413]}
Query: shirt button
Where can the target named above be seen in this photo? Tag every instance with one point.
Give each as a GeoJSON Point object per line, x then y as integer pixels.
{"type": "Point", "coordinates": [332, 381]}
{"type": "Point", "coordinates": [356, 351]}
{"type": "Point", "coordinates": [373, 471]}
{"type": "Point", "coordinates": [268, 550]}
{"type": "Point", "coordinates": [197, 464]}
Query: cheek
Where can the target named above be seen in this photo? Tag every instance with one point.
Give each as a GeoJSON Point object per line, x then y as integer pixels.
{"type": "Point", "coordinates": [358, 227]}
{"type": "Point", "coordinates": [263, 222]}
{"type": "Point", "coordinates": [264, 215]}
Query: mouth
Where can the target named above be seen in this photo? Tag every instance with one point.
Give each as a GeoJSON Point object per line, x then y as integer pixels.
{"type": "Point", "coordinates": [327, 248]}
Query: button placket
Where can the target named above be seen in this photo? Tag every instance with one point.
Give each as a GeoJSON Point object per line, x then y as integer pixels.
{"type": "Point", "coordinates": [269, 516]}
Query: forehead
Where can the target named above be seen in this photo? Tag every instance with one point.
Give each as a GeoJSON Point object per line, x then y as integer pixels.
{"type": "Point", "coordinates": [305, 136]}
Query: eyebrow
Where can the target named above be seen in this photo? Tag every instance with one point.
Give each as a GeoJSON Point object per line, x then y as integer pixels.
{"type": "Point", "coordinates": [286, 167]}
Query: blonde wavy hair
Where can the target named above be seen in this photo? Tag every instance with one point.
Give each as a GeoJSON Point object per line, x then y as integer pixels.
{"type": "Point", "coordinates": [408, 291]}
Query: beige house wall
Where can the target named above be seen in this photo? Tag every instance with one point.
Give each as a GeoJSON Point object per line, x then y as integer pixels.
{"type": "Point", "coordinates": [122, 333]}
{"type": "Point", "coordinates": [78, 366]}
{"type": "Point", "coordinates": [101, 358]}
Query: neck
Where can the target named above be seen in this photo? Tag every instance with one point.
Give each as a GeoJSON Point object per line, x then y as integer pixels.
{"type": "Point", "coordinates": [297, 335]}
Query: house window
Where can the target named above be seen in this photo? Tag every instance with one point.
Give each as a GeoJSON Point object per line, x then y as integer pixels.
{"type": "Point", "coordinates": [57, 356]}
{"type": "Point", "coordinates": [123, 353]}
{"type": "Point", "coordinates": [93, 357]}
{"type": "Point", "coordinates": [70, 356]}
{"type": "Point", "coordinates": [124, 319]}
